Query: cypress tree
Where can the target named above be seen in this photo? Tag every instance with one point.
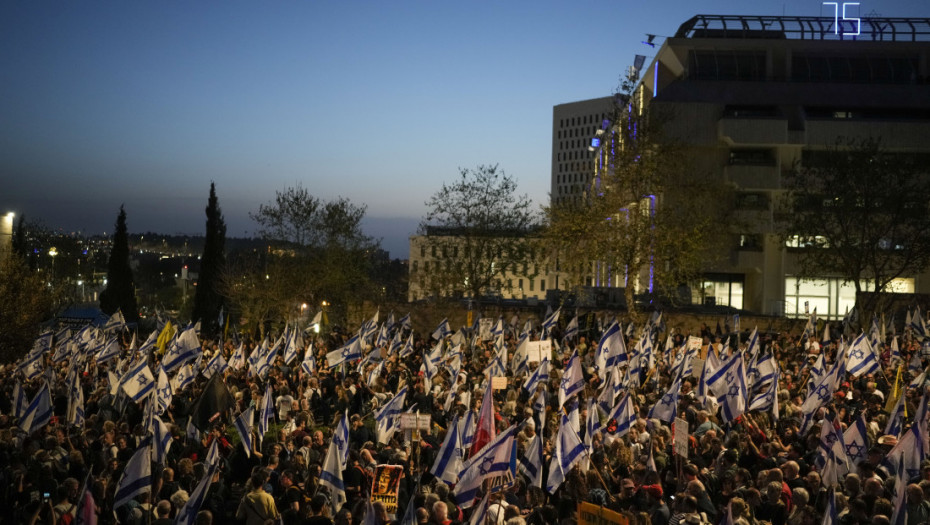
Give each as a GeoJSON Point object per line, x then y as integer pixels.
{"type": "Point", "coordinates": [120, 291]}
{"type": "Point", "coordinates": [208, 300]}
{"type": "Point", "coordinates": [19, 237]}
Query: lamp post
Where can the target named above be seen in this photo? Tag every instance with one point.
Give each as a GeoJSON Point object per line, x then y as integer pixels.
{"type": "Point", "coordinates": [52, 252]}
{"type": "Point", "coordinates": [324, 320]}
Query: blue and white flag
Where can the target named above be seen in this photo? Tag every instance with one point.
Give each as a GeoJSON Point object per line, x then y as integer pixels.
{"type": "Point", "coordinates": [161, 440]}
{"type": "Point", "coordinates": [571, 330]}
{"type": "Point", "coordinates": [188, 513]}
{"type": "Point", "coordinates": [237, 359]}
{"type": "Point", "coordinates": [39, 412]}
{"type": "Point", "coordinates": [341, 440]}
{"type": "Point", "coordinates": [266, 413]}
{"type": "Point", "coordinates": [467, 428]}
{"type": "Point", "coordinates": [733, 401]}
{"type": "Point", "coordinates": [610, 350]}
{"type": "Point", "coordinates": [75, 415]}
{"type": "Point", "coordinates": [624, 414]}
{"type": "Point", "coordinates": [20, 403]}
{"type": "Point", "coordinates": [308, 365]}
{"type": "Point", "coordinates": [491, 462]}
{"type": "Point", "coordinates": [530, 462]}
{"type": "Point", "coordinates": [351, 351]}
{"type": "Point", "coordinates": [896, 419]}
{"type": "Point", "coordinates": [569, 450]}
{"type": "Point", "coordinates": [442, 330]}
{"type": "Point", "coordinates": [186, 348]}
{"type": "Point", "coordinates": [149, 343]}
{"type": "Point", "coordinates": [856, 440]}
{"type": "Point", "coordinates": [448, 462]}
{"type": "Point", "coordinates": [136, 478]}
{"type": "Point", "coordinates": [540, 375]}
{"type": "Point", "coordinates": [404, 322]}
{"type": "Point", "coordinates": [666, 408]}
{"type": "Point", "coordinates": [331, 477]}
{"type": "Point", "coordinates": [216, 365]}
{"type": "Point", "coordinates": [830, 516]}
{"type": "Point", "coordinates": [290, 347]}
{"type": "Point", "coordinates": [550, 322]}
{"type": "Point", "coordinates": [761, 372]}
{"type": "Point", "coordinates": [861, 358]}
{"type": "Point", "coordinates": [572, 379]}
{"type": "Point", "coordinates": [162, 391]}
{"type": "Point", "coordinates": [385, 416]}
{"type": "Point", "coordinates": [185, 376]}
{"type": "Point", "coordinates": [110, 350]}
{"type": "Point", "coordinates": [138, 383]}
{"type": "Point", "coordinates": [899, 515]}
{"type": "Point", "coordinates": [767, 399]}
{"type": "Point", "coordinates": [243, 425]}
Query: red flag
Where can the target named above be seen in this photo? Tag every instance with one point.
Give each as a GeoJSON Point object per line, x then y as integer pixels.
{"type": "Point", "coordinates": [484, 432]}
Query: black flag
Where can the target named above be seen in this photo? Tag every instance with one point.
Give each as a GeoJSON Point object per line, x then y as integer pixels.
{"type": "Point", "coordinates": [212, 405]}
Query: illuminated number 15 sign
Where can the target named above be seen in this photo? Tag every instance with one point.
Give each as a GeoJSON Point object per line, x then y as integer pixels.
{"type": "Point", "coordinates": [836, 17]}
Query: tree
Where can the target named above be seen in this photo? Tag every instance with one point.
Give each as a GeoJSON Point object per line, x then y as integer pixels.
{"type": "Point", "coordinates": [208, 300]}
{"type": "Point", "coordinates": [481, 228]}
{"type": "Point", "coordinates": [120, 291]}
{"type": "Point", "coordinates": [859, 212]}
{"type": "Point", "coordinates": [19, 237]}
{"type": "Point", "coordinates": [27, 301]}
{"type": "Point", "coordinates": [648, 222]}
{"type": "Point", "coordinates": [319, 248]}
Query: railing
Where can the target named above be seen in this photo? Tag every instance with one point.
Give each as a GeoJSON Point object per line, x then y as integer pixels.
{"type": "Point", "coordinates": [806, 28]}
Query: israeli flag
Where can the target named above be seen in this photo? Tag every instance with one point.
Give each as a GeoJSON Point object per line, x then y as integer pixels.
{"type": "Point", "coordinates": [138, 382]}
{"type": "Point", "coordinates": [163, 391]}
{"type": "Point", "coordinates": [531, 462]}
{"type": "Point", "coordinates": [216, 365]}
{"type": "Point", "coordinates": [611, 349]}
{"type": "Point", "coordinates": [188, 513]}
{"type": "Point", "coordinates": [861, 358]}
{"type": "Point", "coordinates": [266, 414]}
{"type": "Point", "coordinates": [856, 439]}
{"type": "Point", "coordinates": [666, 408]}
{"type": "Point", "coordinates": [386, 415]}
{"type": "Point", "coordinates": [186, 348]}
{"type": "Point", "coordinates": [185, 376]}
{"type": "Point", "coordinates": [341, 440]}
{"type": "Point", "coordinates": [149, 343]}
{"type": "Point", "coordinates": [331, 477]}
{"type": "Point", "coordinates": [442, 330]}
{"type": "Point", "coordinates": [351, 351]}
{"type": "Point", "coordinates": [109, 351]}
{"type": "Point", "coordinates": [569, 450]}
{"type": "Point", "coordinates": [734, 400]}
{"type": "Point", "coordinates": [75, 414]}
{"type": "Point", "coordinates": [624, 414]}
{"type": "Point", "coordinates": [136, 478]}
{"type": "Point", "coordinates": [492, 461]}
{"type": "Point", "coordinates": [39, 411]}
{"type": "Point", "coordinates": [161, 440]}
{"type": "Point", "coordinates": [449, 458]}
{"type": "Point", "coordinates": [244, 428]}
{"type": "Point", "coordinates": [540, 375]}
{"type": "Point", "coordinates": [572, 379]}
{"type": "Point", "coordinates": [309, 363]}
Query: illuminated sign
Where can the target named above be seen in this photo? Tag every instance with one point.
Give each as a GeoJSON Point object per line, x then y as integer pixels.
{"type": "Point", "coordinates": [836, 17]}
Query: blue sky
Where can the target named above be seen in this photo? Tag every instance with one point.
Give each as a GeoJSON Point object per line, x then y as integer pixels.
{"type": "Point", "coordinates": [144, 103]}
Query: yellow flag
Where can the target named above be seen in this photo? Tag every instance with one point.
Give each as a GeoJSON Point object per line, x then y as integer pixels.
{"type": "Point", "coordinates": [164, 337]}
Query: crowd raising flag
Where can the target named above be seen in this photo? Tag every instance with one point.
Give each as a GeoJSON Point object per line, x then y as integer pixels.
{"type": "Point", "coordinates": [176, 398]}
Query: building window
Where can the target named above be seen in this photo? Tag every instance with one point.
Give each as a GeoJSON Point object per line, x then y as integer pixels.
{"type": "Point", "coordinates": [542, 285]}
{"type": "Point", "coordinates": [422, 251]}
{"type": "Point", "coordinates": [752, 157]}
{"type": "Point", "coordinates": [532, 284]}
{"type": "Point", "coordinates": [831, 297]}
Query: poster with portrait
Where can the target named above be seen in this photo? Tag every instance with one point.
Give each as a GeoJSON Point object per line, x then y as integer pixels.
{"type": "Point", "coordinates": [386, 486]}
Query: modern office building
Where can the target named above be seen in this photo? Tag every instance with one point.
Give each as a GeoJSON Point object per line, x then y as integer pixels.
{"type": "Point", "coordinates": [573, 126]}
{"type": "Point", "coordinates": [756, 97]}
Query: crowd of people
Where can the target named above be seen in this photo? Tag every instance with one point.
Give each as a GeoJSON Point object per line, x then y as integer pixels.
{"type": "Point", "coordinates": [784, 456]}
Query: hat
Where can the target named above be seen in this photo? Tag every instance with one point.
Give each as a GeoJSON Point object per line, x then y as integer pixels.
{"type": "Point", "coordinates": [653, 490]}
{"type": "Point", "coordinates": [888, 440]}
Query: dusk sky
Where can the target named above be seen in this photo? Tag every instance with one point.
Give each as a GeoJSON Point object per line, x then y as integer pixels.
{"type": "Point", "coordinates": [144, 103]}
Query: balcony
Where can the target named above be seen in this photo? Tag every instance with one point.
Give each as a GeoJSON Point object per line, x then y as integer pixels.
{"type": "Point", "coordinates": [753, 131]}
{"type": "Point", "coordinates": [754, 177]}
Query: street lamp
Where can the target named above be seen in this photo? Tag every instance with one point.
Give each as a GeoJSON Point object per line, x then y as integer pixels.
{"type": "Point", "coordinates": [52, 252]}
